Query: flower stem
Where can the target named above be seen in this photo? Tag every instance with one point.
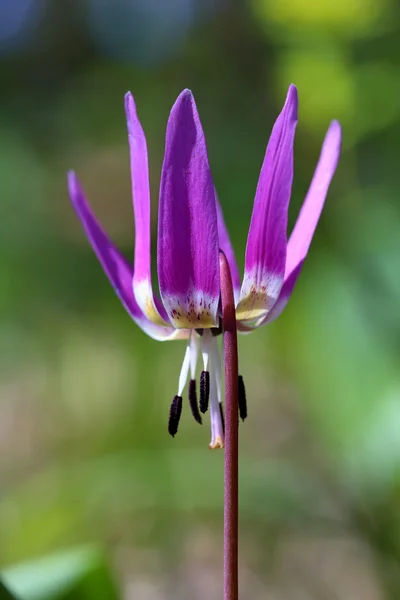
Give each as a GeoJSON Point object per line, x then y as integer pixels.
{"type": "Point", "coordinates": [231, 433]}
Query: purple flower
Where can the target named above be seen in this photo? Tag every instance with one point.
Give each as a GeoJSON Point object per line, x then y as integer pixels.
{"type": "Point", "coordinates": [191, 231]}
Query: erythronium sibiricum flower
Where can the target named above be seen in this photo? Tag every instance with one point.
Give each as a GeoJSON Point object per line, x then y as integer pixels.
{"type": "Point", "coordinates": [192, 231]}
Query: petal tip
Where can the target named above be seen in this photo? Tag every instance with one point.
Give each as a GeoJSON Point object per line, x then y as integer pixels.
{"type": "Point", "coordinates": [72, 181]}
{"type": "Point", "coordinates": [75, 190]}
{"type": "Point", "coordinates": [186, 93]}
{"type": "Point", "coordinates": [335, 128]}
{"type": "Point", "coordinates": [333, 138]}
{"type": "Point", "coordinates": [185, 101]}
{"type": "Point", "coordinates": [292, 100]}
{"type": "Point", "coordinates": [130, 106]}
{"type": "Point", "coordinates": [184, 114]}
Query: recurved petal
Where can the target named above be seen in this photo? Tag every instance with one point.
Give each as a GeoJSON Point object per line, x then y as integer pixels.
{"type": "Point", "coordinates": [267, 238]}
{"type": "Point", "coordinates": [303, 231]}
{"type": "Point", "coordinates": [117, 269]}
{"type": "Point", "coordinates": [142, 287]}
{"type": "Point", "coordinates": [188, 265]}
{"type": "Point", "coordinates": [307, 220]}
{"type": "Point", "coordinates": [227, 248]}
{"type": "Point", "coordinates": [283, 299]}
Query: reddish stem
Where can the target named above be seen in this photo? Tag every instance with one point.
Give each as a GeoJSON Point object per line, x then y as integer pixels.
{"type": "Point", "coordinates": [231, 433]}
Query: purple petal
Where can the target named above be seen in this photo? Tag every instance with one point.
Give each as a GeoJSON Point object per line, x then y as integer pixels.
{"type": "Point", "coordinates": [267, 238]}
{"type": "Point", "coordinates": [142, 286]}
{"type": "Point", "coordinates": [283, 299]}
{"type": "Point", "coordinates": [306, 223]}
{"type": "Point", "coordinates": [308, 218]}
{"type": "Point", "coordinates": [188, 264]}
{"type": "Point", "coordinates": [117, 269]}
{"type": "Point", "coordinates": [227, 248]}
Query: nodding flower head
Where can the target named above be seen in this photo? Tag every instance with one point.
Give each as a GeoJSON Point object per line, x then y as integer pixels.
{"type": "Point", "coordinates": [192, 231]}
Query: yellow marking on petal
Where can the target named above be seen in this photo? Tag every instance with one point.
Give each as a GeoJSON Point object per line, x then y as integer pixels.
{"type": "Point", "coordinates": [192, 320]}
{"type": "Point", "coordinates": [195, 311]}
{"type": "Point", "coordinates": [253, 306]}
{"type": "Point", "coordinates": [152, 313]}
{"type": "Point", "coordinates": [144, 297]}
{"type": "Point", "coordinates": [258, 295]}
{"type": "Point", "coordinates": [217, 443]}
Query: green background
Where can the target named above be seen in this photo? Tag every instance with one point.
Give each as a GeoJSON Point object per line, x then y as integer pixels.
{"type": "Point", "coordinates": [85, 457]}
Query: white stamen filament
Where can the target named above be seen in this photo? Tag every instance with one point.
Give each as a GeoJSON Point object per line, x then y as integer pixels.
{"type": "Point", "coordinates": [206, 347]}
{"type": "Point", "coordinates": [217, 428]}
{"type": "Point", "coordinates": [211, 363]}
{"type": "Point", "coordinates": [183, 377]}
{"type": "Point", "coordinates": [194, 353]}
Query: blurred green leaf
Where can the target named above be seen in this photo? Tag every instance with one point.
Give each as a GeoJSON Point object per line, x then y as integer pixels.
{"type": "Point", "coordinates": [79, 574]}
{"type": "Point", "coordinates": [5, 594]}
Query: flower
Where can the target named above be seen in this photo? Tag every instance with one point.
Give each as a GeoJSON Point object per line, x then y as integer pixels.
{"type": "Point", "coordinates": [192, 231]}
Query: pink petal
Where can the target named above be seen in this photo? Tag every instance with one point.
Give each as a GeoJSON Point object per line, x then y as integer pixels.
{"type": "Point", "coordinates": [308, 218]}
{"type": "Point", "coordinates": [117, 269]}
{"type": "Point", "coordinates": [142, 285]}
{"type": "Point", "coordinates": [188, 265]}
{"type": "Point", "coordinates": [267, 238]}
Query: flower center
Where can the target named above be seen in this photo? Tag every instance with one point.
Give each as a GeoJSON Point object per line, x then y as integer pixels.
{"type": "Point", "coordinates": [204, 341]}
{"type": "Point", "coordinates": [210, 385]}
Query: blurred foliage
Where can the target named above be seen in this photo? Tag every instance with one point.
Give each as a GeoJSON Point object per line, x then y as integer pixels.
{"type": "Point", "coordinates": [84, 395]}
{"type": "Point", "coordinates": [5, 593]}
{"type": "Point", "coordinates": [78, 574]}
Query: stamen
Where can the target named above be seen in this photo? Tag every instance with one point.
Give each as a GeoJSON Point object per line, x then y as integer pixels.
{"type": "Point", "coordinates": [221, 410]}
{"type": "Point", "coordinates": [193, 401]}
{"type": "Point", "coordinates": [210, 388]}
{"type": "Point", "coordinates": [216, 416]}
{"type": "Point", "coordinates": [206, 346]}
{"type": "Point", "coordinates": [204, 391]}
{"type": "Point", "coordinates": [242, 399]}
{"type": "Point", "coordinates": [194, 353]}
{"type": "Point", "coordinates": [174, 415]}
{"type": "Point", "coordinates": [183, 376]}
